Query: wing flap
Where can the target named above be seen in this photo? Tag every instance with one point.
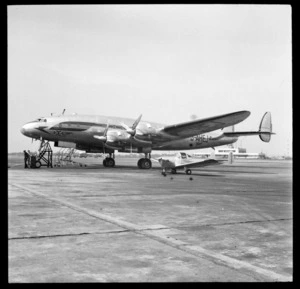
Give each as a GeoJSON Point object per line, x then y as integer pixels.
{"type": "Point", "coordinates": [205, 125]}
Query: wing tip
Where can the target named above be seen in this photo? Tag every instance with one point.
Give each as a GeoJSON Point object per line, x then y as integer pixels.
{"type": "Point", "coordinates": [246, 112]}
{"type": "Point", "coordinates": [243, 113]}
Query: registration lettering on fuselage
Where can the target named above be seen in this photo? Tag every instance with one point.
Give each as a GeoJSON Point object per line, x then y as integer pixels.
{"type": "Point", "coordinates": [200, 138]}
{"type": "Point", "coordinates": [60, 133]}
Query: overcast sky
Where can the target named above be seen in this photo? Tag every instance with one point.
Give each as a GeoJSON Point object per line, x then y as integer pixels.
{"type": "Point", "coordinates": [164, 61]}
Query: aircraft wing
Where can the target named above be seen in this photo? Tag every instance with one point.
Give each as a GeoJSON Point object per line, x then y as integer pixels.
{"type": "Point", "coordinates": [191, 128]}
{"type": "Point", "coordinates": [202, 163]}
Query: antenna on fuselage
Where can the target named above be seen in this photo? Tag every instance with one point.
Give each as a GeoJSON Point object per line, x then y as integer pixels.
{"type": "Point", "coordinates": [63, 111]}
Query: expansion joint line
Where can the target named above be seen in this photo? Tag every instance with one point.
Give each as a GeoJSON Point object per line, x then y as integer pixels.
{"type": "Point", "coordinates": [170, 241]}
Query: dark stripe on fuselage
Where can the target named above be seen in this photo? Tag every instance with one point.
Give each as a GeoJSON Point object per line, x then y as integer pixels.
{"type": "Point", "coordinates": [67, 128]}
{"type": "Point", "coordinates": [42, 129]}
{"type": "Point", "coordinates": [81, 126]}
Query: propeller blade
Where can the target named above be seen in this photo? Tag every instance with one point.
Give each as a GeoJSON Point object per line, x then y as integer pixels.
{"type": "Point", "coordinates": [106, 129]}
{"type": "Point", "coordinates": [132, 130]}
{"type": "Point", "coordinates": [104, 136]}
{"type": "Point", "coordinates": [136, 122]}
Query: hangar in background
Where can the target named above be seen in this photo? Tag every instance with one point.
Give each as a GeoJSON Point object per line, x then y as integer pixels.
{"type": "Point", "coordinates": [223, 152]}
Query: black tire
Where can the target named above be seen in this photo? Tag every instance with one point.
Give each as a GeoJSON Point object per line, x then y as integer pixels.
{"type": "Point", "coordinates": [139, 163]}
{"type": "Point", "coordinates": [146, 164]}
{"type": "Point", "coordinates": [104, 163]}
{"type": "Point", "coordinates": [173, 171]}
{"type": "Point", "coordinates": [188, 172]}
{"type": "Point", "coordinates": [110, 162]}
{"type": "Point", "coordinates": [38, 164]}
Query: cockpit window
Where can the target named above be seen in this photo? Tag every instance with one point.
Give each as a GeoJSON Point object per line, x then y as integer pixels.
{"type": "Point", "coordinates": [41, 120]}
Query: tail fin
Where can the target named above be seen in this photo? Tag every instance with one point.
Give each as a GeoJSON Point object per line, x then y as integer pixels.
{"type": "Point", "coordinates": [265, 126]}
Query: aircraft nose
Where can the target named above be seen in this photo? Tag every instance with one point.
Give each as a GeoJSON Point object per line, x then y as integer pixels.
{"type": "Point", "coordinates": [22, 130]}
{"type": "Point", "coordinates": [27, 128]}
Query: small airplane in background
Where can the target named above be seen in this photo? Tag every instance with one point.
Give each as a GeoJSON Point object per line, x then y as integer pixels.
{"type": "Point", "coordinates": [102, 134]}
{"type": "Point", "coordinates": [184, 161]}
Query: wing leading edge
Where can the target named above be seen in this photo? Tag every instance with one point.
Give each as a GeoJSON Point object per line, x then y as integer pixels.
{"type": "Point", "coordinates": [205, 125]}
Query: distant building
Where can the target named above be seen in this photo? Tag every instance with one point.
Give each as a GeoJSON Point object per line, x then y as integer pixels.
{"type": "Point", "coordinates": [223, 152]}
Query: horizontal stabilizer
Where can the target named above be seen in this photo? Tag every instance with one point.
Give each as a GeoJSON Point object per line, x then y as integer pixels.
{"type": "Point", "coordinates": [264, 132]}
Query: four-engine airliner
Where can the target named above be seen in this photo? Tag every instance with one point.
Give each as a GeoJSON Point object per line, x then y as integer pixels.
{"type": "Point", "coordinates": [102, 134]}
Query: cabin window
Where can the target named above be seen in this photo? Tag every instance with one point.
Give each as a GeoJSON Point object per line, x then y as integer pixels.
{"type": "Point", "coordinates": [183, 156]}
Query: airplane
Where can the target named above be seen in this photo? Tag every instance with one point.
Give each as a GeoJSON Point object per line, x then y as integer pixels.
{"type": "Point", "coordinates": [103, 134]}
{"type": "Point", "coordinates": [185, 161]}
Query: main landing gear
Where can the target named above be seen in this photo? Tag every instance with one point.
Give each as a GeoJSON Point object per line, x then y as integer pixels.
{"type": "Point", "coordinates": [109, 161]}
{"type": "Point", "coordinates": [145, 163]}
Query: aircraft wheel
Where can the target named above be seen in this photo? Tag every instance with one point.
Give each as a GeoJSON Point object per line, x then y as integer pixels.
{"type": "Point", "coordinates": [38, 164]}
{"type": "Point", "coordinates": [188, 172]}
{"type": "Point", "coordinates": [104, 163]}
{"type": "Point", "coordinates": [146, 164]}
{"type": "Point", "coordinates": [173, 171]}
{"type": "Point", "coordinates": [139, 163]}
{"type": "Point", "coordinates": [110, 162]}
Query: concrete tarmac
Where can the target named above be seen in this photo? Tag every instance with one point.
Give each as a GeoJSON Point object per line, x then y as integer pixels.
{"type": "Point", "coordinates": [95, 224]}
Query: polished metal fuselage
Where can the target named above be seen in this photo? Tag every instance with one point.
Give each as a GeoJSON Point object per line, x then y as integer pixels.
{"type": "Point", "coordinates": [81, 129]}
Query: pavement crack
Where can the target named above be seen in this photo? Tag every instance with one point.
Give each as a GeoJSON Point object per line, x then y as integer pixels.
{"type": "Point", "coordinates": [241, 222]}
{"type": "Point", "coordinates": [67, 235]}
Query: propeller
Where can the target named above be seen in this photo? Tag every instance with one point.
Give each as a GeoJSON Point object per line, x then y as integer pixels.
{"type": "Point", "coordinates": [121, 137]}
{"type": "Point", "coordinates": [104, 136]}
{"type": "Point", "coordinates": [132, 130]}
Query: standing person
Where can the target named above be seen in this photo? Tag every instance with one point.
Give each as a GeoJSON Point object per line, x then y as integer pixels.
{"type": "Point", "coordinates": [26, 157]}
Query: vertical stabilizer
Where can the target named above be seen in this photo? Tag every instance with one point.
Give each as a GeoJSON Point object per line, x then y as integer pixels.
{"type": "Point", "coordinates": [265, 126]}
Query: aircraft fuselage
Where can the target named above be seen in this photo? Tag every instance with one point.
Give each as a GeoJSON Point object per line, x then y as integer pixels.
{"type": "Point", "coordinates": [80, 130]}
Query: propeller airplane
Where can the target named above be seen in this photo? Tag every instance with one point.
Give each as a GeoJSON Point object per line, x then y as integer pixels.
{"type": "Point", "coordinates": [102, 134]}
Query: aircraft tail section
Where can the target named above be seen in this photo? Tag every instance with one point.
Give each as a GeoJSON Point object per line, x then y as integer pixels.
{"type": "Point", "coordinates": [265, 126]}
{"type": "Point", "coordinates": [264, 132]}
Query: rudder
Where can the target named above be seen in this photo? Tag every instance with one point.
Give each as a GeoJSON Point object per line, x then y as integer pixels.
{"type": "Point", "coordinates": [265, 126]}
